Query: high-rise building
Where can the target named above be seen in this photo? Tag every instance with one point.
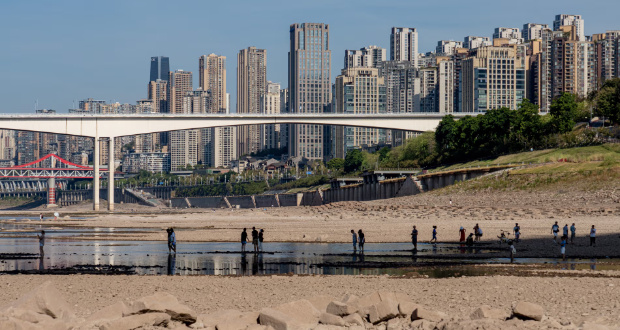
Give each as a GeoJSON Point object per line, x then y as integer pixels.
{"type": "Point", "coordinates": [160, 68]}
{"type": "Point", "coordinates": [359, 90]}
{"type": "Point", "coordinates": [506, 33]}
{"type": "Point", "coordinates": [472, 42]}
{"type": "Point", "coordinates": [574, 63]}
{"type": "Point", "coordinates": [572, 20]}
{"type": "Point", "coordinates": [251, 86]}
{"type": "Point", "coordinates": [212, 78]}
{"type": "Point", "coordinates": [402, 85]}
{"type": "Point", "coordinates": [533, 31]}
{"type": "Point", "coordinates": [270, 104]}
{"type": "Point", "coordinates": [158, 94]}
{"type": "Point", "coordinates": [27, 147]}
{"type": "Point", "coordinates": [608, 57]}
{"type": "Point", "coordinates": [492, 78]}
{"type": "Point", "coordinates": [404, 45]}
{"type": "Point", "coordinates": [284, 108]}
{"type": "Point", "coordinates": [185, 145]}
{"type": "Point", "coordinates": [7, 145]}
{"type": "Point", "coordinates": [447, 47]}
{"type": "Point", "coordinates": [180, 83]}
{"type": "Point", "coordinates": [309, 81]}
{"type": "Point", "coordinates": [369, 57]}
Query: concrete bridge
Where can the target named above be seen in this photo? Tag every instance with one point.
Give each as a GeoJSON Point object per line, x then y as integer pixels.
{"type": "Point", "coordinates": [112, 126]}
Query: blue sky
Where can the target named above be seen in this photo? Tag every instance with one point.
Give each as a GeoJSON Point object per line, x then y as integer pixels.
{"type": "Point", "coordinates": [66, 50]}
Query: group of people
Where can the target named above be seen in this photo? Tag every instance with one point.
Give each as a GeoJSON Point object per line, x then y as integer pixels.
{"type": "Point", "coordinates": [257, 239]}
{"type": "Point", "coordinates": [358, 240]}
{"type": "Point", "coordinates": [555, 229]}
{"type": "Point", "coordinates": [469, 240]}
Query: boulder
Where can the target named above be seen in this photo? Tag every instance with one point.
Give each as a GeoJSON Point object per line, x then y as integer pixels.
{"type": "Point", "coordinates": [277, 319]}
{"type": "Point", "coordinates": [111, 312]}
{"type": "Point", "coordinates": [17, 324]}
{"type": "Point", "coordinates": [137, 321]}
{"type": "Point", "coordinates": [406, 308]}
{"type": "Point", "coordinates": [528, 311]}
{"type": "Point", "coordinates": [395, 324]}
{"type": "Point", "coordinates": [369, 300]}
{"type": "Point", "coordinates": [258, 327]}
{"type": "Point", "coordinates": [331, 319]}
{"type": "Point", "coordinates": [211, 320]}
{"type": "Point", "coordinates": [44, 299]}
{"type": "Point", "coordinates": [424, 314]}
{"type": "Point", "coordinates": [162, 302]}
{"type": "Point", "coordinates": [422, 325]}
{"type": "Point", "coordinates": [340, 308]}
{"type": "Point", "coordinates": [486, 312]}
{"type": "Point", "coordinates": [301, 311]}
{"type": "Point", "coordinates": [241, 322]}
{"type": "Point", "coordinates": [321, 302]}
{"type": "Point", "coordinates": [353, 319]}
{"type": "Point", "coordinates": [383, 311]}
{"type": "Point", "coordinates": [27, 315]}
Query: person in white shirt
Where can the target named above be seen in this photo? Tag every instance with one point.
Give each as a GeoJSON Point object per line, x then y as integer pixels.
{"type": "Point", "coordinates": [593, 236]}
{"type": "Point", "coordinates": [554, 230]}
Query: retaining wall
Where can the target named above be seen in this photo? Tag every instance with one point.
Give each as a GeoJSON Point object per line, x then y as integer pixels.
{"type": "Point", "coordinates": [266, 201]}
{"type": "Point", "coordinates": [288, 200]}
{"type": "Point", "coordinates": [214, 202]}
{"type": "Point", "coordinates": [244, 202]}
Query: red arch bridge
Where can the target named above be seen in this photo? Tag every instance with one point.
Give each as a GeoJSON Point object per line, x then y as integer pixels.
{"type": "Point", "coordinates": [50, 167]}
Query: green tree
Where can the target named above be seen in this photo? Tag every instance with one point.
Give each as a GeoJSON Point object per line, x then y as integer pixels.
{"type": "Point", "coordinates": [527, 126]}
{"type": "Point", "coordinates": [445, 137]}
{"type": "Point", "coordinates": [353, 161]}
{"type": "Point", "coordinates": [608, 100]}
{"type": "Point", "coordinates": [563, 110]}
{"type": "Point", "coordinates": [335, 164]}
{"type": "Point", "coordinates": [383, 153]}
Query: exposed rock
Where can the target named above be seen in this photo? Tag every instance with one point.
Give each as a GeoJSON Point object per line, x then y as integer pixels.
{"type": "Point", "coordinates": [301, 311]}
{"type": "Point", "coordinates": [340, 308]}
{"type": "Point", "coordinates": [382, 311]}
{"type": "Point", "coordinates": [276, 319]}
{"type": "Point", "coordinates": [395, 324]}
{"type": "Point", "coordinates": [424, 314]}
{"type": "Point", "coordinates": [44, 299]}
{"type": "Point", "coordinates": [353, 319]}
{"type": "Point", "coordinates": [486, 312]}
{"type": "Point", "coordinates": [242, 321]}
{"type": "Point", "coordinates": [528, 311]}
{"type": "Point", "coordinates": [163, 302]}
{"type": "Point", "coordinates": [27, 315]}
{"type": "Point", "coordinates": [331, 319]}
{"type": "Point", "coordinates": [211, 320]}
{"type": "Point", "coordinates": [422, 325]}
{"type": "Point", "coordinates": [406, 308]}
{"type": "Point", "coordinates": [321, 302]}
{"type": "Point", "coordinates": [112, 312]}
{"type": "Point", "coordinates": [138, 320]}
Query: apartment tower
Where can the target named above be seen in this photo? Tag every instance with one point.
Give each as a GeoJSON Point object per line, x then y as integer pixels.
{"type": "Point", "coordinates": [404, 45]}
{"type": "Point", "coordinates": [251, 86]}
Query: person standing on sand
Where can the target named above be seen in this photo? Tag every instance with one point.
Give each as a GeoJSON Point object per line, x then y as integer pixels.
{"type": "Point", "coordinates": [41, 242]}
{"type": "Point", "coordinates": [554, 230]}
{"type": "Point", "coordinates": [462, 233]}
{"type": "Point", "coordinates": [361, 239]}
{"type": "Point", "coordinates": [593, 236]}
{"type": "Point", "coordinates": [172, 241]}
{"type": "Point", "coordinates": [563, 246]}
{"type": "Point", "coordinates": [244, 239]}
{"type": "Point", "coordinates": [261, 237]}
{"type": "Point", "coordinates": [41, 217]}
{"type": "Point", "coordinates": [476, 227]}
{"type": "Point", "coordinates": [565, 230]}
{"type": "Point", "coordinates": [573, 230]}
{"type": "Point", "coordinates": [434, 239]}
{"type": "Point", "coordinates": [517, 231]}
{"type": "Point", "coordinates": [354, 238]}
{"type": "Point", "coordinates": [414, 238]}
{"type": "Point", "coordinates": [255, 239]}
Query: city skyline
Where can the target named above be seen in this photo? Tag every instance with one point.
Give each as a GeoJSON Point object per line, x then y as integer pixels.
{"type": "Point", "coordinates": [87, 62]}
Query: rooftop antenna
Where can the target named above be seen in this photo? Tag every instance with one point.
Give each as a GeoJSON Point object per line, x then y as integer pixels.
{"type": "Point", "coordinates": [36, 104]}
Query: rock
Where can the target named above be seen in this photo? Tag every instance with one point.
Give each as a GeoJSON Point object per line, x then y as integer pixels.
{"type": "Point", "coordinates": [331, 319]}
{"type": "Point", "coordinates": [369, 300]}
{"type": "Point", "coordinates": [277, 319]}
{"type": "Point", "coordinates": [137, 321]}
{"type": "Point", "coordinates": [383, 311]}
{"type": "Point", "coordinates": [528, 311]}
{"type": "Point", "coordinates": [162, 302]}
{"type": "Point", "coordinates": [211, 320]}
{"type": "Point", "coordinates": [258, 327]}
{"type": "Point", "coordinates": [301, 311]}
{"type": "Point", "coordinates": [352, 300]}
{"type": "Point", "coordinates": [395, 324]}
{"type": "Point", "coordinates": [424, 314]}
{"type": "Point", "coordinates": [422, 324]}
{"type": "Point", "coordinates": [340, 308]}
{"type": "Point", "coordinates": [321, 302]}
{"type": "Point", "coordinates": [17, 324]}
{"type": "Point", "coordinates": [46, 300]}
{"type": "Point", "coordinates": [406, 308]}
{"type": "Point", "coordinates": [242, 321]}
{"type": "Point", "coordinates": [27, 315]}
{"type": "Point", "coordinates": [486, 312]}
{"type": "Point", "coordinates": [353, 319]}
{"type": "Point", "coordinates": [111, 312]}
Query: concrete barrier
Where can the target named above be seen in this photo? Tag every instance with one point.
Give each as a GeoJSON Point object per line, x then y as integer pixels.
{"type": "Point", "coordinates": [214, 202]}
{"type": "Point", "coordinates": [244, 202]}
{"type": "Point", "coordinates": [312, 198]}
{"type": "Point", "coordinates": [179, 203]}
{"type": "Point", "coordinates": [266, 201]}
{"type": "Point", "coordinates": [288, 200]}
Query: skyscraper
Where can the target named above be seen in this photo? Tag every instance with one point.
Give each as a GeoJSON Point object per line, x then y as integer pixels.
{"type": "Point", "coordinates": [574, 20]}
{"type": "Point", "coordinates": [532, 31]}
{"type": "Point", "coordinates": [447, 47]}
{"type": "Point", "coordinates": [251, 86]}
{"type": "Point", "coordinates": [472, 42]}
{"type": "Point", "coordinates": [404, 45]}
{"type": "Point", "coordinates": [160, 68]}
{"type": "Point", "coordinates": [513, 35]}
{"type": "Point", "coordinates": [369, 57]}
{"type": "Point", "coordinates": [212, 78]}
{"type": "Point", "coordinates": [180, 83]}
{"type": "Point", "coordinates": [309, 81]}
{"type": "Point", "coordinates": [270, 104]}
{"type": "Point", "coordinates": [574, 63]}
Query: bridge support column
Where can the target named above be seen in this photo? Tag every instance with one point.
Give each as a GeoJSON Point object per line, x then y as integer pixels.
{"type": "Point", "coordinates": [111, 174]}
{"type": "Point", "coordinates": [96, 174]}
{"type": "Point", "coordinates": [51, 192]}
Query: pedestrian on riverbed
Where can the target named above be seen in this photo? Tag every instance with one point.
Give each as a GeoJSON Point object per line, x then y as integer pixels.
{"type": "Point", "coordinates": [41, 242]}
{"type": "Point", "coordinates": [564, 238]}
{"type": "Point", "coordinates": [573, 230]}
{"type": "Point", "coordinates": [478, 233]}
{"type": "Point", "coordinates": [244, 239]}
{"type": "Point", "coordinates": [41, 217]}
{"type": "Point", "coordinates": [361, 240]}
{"type": "Point", "coordinates": [354, 238]}
{"type": "Point", "coordinates": [555, 229]}
{"type": "Point", "coordinates": [476, 227]}
{"type": "Point", "coordinates": [434, 239]}
{"type": "Point", "coordinates": [517, 231]}
{"type": "Point", "coordinates": [172, 240]}
{"type": "Point", "coordinates": [255, 239]}
{"type": "Point", "coordinates": [462, 234]}
{"type": "Point", "coordinates": [261, 237]}
{"type": "Point", "coordinates": [470, 240]}
{"type": "Point", "coordinates": [414, 238]}
{"type": "Point", "coordinates": [565, 230]}
{"type": "Point", "coordinates": [593, 236]}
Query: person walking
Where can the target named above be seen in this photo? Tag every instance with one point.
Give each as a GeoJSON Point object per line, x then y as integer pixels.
{"type": "Point", "coordinates": [479, 232]}
{"type": "Point", "coordinates": [244, 239]}
{"type": "Point", "coordinates": [261, 237]}
{"type": "Point", "coordinates": [414, 238]}
{"type": "Point", "coordinates": [593, 236]}
{"type": "Point", "coordinates": [354, 239]}
{"type": "Point", "coordinates": [41, 217]}
{"type": "Point", "coordinates": [434, 239]}
{"type": "Point", "coordinates": [564, 238]}
{"type": "Point", "coordinates": [565, 230]}
{"type": "Point", "coordinates": [255, 239]}
{"type": "Point", "coordinates": [41, 242]}
{"type": "Point", "coordinates": [517, 232]}
{"type": "Point", "coordinates": [554, 230]}
{"type": "Point", "coordinates": [172, 241]}
{"type": "Point", "coordinates": [573, 230]}
{"type": "Point", "coordinates": [361, 240]}
{"type": "Point", "coordinates": [462, 235]}
{"type": "Point", "coordinates": [476, 227]}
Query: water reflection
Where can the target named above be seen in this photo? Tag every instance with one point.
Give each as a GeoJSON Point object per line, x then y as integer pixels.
{"type": "Point", "coordinates": [172, 263]}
